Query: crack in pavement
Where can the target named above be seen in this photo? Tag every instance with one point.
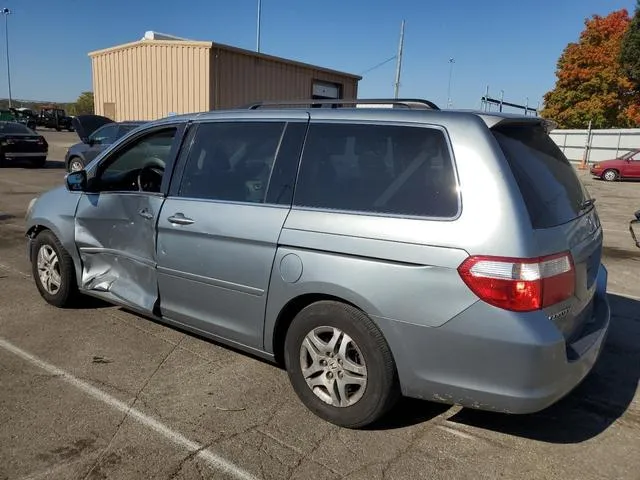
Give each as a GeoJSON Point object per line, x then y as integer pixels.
{"type": "Point", "coordinates": [329, 432]}
{"type": "Point", "coordinates": [126, 414]}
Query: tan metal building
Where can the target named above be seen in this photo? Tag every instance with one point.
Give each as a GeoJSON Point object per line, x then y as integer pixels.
{"type": "Point", "coordinates": [161, 74]}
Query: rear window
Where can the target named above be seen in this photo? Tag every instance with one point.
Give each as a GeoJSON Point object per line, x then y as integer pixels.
{"type": "Point", "coordinates": [11, 128]}
{"type": "Point", "coordinates": [548, 183]}
{"type": "Point", "coordinates": [396, 170]}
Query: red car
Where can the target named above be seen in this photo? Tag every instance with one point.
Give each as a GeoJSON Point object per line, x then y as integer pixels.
{"type": "Point", "coordinates": [627, 166]}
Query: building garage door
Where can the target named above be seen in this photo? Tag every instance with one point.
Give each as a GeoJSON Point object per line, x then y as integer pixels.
{"type": "Point", "coordinates": [325, 90]}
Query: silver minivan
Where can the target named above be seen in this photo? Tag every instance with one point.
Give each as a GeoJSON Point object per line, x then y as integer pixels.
{"type": "Point", "coordinates": [450, 256]}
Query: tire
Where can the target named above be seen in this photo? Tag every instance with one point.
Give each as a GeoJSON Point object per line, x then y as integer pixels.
{"type": "Point", "coordinates": [362, 405]}
{"type": "Point", "coordinates": [66, 294]}
{"type": "Point", "coordinates": [77, 160]}
{"type": "Point", "coordinates": [610, 175]}
{"type": "Point", "coordinates": [38, 162]}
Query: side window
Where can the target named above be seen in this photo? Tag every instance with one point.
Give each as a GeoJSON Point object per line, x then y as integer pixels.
{"type": "Point", "coordinates": [140, 165]}
{"type": "Point", "coordinates": [231, 161]}
{"type": "Point", "coordinates": [383, 169]}
{"type": "Point", "coordinates": [123, 130]}
{"type": "Point", "coordinates": [104, 135]}
{"type": "Point", "coordinates": [636, 157]}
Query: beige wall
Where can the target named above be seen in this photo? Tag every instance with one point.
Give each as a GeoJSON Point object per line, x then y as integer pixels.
{"type": "Point", "coordinates": [239, 78]}
{"type": "Point", "coordinates": [147, 80]}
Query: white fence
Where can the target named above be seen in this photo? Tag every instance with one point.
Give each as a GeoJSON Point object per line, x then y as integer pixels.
{"type": "Point", "coordinates": [597, 145]}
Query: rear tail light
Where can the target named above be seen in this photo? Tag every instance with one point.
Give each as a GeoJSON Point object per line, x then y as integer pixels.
{"type": "Point", "coordinates": [520, 285]}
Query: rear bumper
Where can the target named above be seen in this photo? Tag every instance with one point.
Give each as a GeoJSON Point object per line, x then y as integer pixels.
{"type": "Point", "coordinates": [10, 155]}
{"type": "Point", "coordinates": [490, 359]}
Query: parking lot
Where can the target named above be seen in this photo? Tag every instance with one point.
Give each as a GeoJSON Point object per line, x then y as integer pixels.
{"type": "Point", "coordinates": [98, 392]}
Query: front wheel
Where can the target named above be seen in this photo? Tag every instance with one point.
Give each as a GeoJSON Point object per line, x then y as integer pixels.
{"type": "Point", "coordinates": [75, 164]}
{"type": "Point", "coordinates": [340, 365]}
{"type": "Point", "coordinates": [53, 270]}
{"type": "Point", "coordinates": [610, 175]}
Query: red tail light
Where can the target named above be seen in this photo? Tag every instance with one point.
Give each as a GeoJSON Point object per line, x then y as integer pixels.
{"type": "Point", "coordinates": [518, 284]}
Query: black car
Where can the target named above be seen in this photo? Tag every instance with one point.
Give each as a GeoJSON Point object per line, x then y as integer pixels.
{"type": "Point", "coordinates": [17, 142]}
{"type": "Point", "coordinates": [54, 118]}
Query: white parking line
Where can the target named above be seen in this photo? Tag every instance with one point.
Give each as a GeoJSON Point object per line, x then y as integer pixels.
{"type": "Point", "coordinates": [456, 432]}
{"type": "Point", "coordinates": [9, 268]}
{"type": "Point", "coordinates": [214, 461]}
{"type": "Point", "coordinates": [620, 294]}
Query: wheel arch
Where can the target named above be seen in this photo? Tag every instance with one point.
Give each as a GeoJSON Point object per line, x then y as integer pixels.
{"type": "Point", "coordinates": [291, 309]}
{"type": "Point", "coordinates": [43, 225]}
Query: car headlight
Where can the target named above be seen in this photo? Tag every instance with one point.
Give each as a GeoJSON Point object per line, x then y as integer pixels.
{"type": "Point", "coordinates": [595, 165]}
{"type": "Point", "coordinates": [30, 207]}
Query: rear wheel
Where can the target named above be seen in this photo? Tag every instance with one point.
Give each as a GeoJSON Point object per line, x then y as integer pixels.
{"type": "Point", "coordinates": [340, 365]}
{"type": "Point", "coordinates": [610, 175]}
{"type": "Point", "coordinates": [53, 270]}
{"type": "Point", "coordinates": [39, 162]}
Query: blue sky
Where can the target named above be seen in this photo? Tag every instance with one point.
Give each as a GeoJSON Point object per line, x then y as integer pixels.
{"type": "Point", "coordinates": [510, 45]}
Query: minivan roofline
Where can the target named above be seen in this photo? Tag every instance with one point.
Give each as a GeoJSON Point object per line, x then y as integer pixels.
{"type": "Point", "coordinates": [491, 119]}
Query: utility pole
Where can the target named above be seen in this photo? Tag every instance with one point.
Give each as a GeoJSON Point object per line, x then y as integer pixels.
{"type": "Point", "coordinates": [258, 26]}
{"type": "Point", "coordinates": [6, 12]}
{"type": "Point", "coordinates": [451, 62]}
{"type": "Point", "coordinates": [399, 63]}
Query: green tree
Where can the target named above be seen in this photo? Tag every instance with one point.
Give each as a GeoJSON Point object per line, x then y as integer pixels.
{"type": "Point", "coordinates": [591, 84]}
{"type": "Point", "coordinates": [630, 51]}
{"type": "Point", "coordinates": [84, 104]}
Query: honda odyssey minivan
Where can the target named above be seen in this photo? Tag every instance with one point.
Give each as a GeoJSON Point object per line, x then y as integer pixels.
{"type": "Point", "coordinates": [449, 256]}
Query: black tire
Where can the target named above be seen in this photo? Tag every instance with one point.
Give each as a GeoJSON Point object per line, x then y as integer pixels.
{"type": "Point", "coordinates": [610, 175]}
{"type": "Point", "coordinates": [58, 129]}
{"type": "Point", "coordinates": [38, 162]}
{"type": "Point", "coordinates": [74, 159]}
{"type": "Point", "coordinates": [382, 387]}
{"type": "Point", "coordinates": [67, 294]}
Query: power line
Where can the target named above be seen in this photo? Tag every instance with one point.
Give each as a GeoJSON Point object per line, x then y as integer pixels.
{"type": "Point", "coordinates": [378, 65]}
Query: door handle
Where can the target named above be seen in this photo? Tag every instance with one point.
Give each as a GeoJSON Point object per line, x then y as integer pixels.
{"type": "Point", "coordinates": [144, 213]}
{"type": "Point", "coordinates": [180, 219]}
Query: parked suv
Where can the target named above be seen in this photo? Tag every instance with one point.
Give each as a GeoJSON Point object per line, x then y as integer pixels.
{"type": "Point", "coordinates": [443, 255]}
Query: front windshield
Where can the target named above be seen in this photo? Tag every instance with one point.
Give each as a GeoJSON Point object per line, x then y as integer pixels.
{"type": "Point", "coordinates": [629, 154]}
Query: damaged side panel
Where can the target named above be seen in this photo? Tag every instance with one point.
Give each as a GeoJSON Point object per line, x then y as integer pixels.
{"type": "Point", "coordinates": [116, 238]}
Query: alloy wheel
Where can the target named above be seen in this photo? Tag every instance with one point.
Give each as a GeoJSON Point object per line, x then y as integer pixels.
{"type": "Point", "coordinates": [333, 366]}
{"type": "Point", "coordinates": [49, 269]}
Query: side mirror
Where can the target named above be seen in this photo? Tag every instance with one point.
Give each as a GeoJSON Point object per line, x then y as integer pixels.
{"type": "Point", "coordinates": [76, 181]}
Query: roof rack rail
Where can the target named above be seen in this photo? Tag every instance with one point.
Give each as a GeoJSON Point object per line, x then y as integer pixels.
{"type": "Point", "coordinates": [401, 102]}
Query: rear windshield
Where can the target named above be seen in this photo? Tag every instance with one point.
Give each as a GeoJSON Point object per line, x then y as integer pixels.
{"type": "Point", "coordinates": [548, 183]}
{"type": "Point", "coordinates": [9, 128]}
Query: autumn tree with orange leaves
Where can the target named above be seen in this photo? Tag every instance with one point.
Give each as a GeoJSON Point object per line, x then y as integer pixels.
{"type": "Point", "coordinates": [591, 84]}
